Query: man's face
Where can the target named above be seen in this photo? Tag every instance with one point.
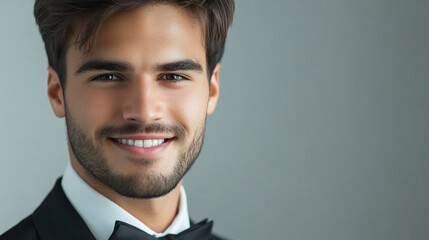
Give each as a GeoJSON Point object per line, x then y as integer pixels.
{"type": "Point", "coordinates": [136, 105]}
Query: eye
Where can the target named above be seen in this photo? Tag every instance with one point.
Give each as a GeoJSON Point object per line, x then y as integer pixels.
{"type": "Point", "coordinates": [173, 77]}
{"type": "Point", "coordinates": [107, 77]}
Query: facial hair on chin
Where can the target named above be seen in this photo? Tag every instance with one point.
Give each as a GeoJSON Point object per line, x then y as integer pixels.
{"type": "Point", "coordinates": [89, 153]}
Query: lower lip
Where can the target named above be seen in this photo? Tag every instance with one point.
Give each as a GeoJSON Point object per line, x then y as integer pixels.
{"type": "Point", "coordinates": [149, 152]}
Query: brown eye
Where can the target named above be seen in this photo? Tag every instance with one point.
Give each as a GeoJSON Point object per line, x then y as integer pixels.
{"type": "Point", "coordinates": [107, 77]}
{"type": "Point", "coordinates": [172, 77]}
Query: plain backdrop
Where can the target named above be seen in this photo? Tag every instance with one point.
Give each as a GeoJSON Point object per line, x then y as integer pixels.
{"type": "Point", "coordinates": [321, 132]}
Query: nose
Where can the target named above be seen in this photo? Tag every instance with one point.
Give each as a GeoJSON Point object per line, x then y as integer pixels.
{"type": "Point", "coordinates": [143, 104]}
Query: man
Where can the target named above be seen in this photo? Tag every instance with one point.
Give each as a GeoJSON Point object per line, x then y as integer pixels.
{"type": "Point", "coordinates": [135, 80]}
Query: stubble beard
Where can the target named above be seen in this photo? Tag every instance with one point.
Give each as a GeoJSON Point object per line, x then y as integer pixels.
{"type": "Point", "coordinates": [143, 185]}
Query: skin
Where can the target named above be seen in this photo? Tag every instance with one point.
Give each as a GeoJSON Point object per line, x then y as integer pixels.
{"type": "Point", "coordinates": [142, 38]}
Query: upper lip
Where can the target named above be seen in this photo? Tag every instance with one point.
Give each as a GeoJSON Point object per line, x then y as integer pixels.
{"type": "Point", "coordinates": [143, 137]}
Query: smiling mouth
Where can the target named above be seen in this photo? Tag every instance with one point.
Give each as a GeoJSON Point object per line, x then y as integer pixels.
{"type": "Point", "coordinates": [147, 143]}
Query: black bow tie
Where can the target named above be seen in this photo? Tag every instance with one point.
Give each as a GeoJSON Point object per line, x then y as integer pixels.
{"type": "Point", "coordinates": [125, 231]}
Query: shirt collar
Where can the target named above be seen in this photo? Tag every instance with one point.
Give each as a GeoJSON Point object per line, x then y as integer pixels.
{"type": "Point", "coordinates": [100, 213]}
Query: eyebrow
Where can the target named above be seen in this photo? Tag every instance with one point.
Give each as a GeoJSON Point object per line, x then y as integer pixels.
{"type": "Point", "coordinates": [184, 65]}
{"type": "Point", "coordinates": [97, 65]}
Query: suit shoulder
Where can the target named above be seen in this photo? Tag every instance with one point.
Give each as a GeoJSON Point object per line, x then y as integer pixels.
{"type": "Point", "coordinates": [24, 230]}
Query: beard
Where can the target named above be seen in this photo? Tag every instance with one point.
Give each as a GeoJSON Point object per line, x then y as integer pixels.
{"type": "Point", "coordinates": [142, 185]}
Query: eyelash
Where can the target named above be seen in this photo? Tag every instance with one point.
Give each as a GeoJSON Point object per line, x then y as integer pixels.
{"type": "Point", "coordinates": [164, 77]}
{"type": "Point", "coordinates": [110, 77]}
{"type": "Point", "coordinates": [106, 77]}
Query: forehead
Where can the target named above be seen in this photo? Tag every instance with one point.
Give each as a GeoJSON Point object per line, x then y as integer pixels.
{"type": "Point", "coordinates": [150, 33]}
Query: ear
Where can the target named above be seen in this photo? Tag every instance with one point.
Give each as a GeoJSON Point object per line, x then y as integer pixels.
{"type": "Point", "coordinates": [214, 90]}
{"type": "Point", "coordinates": [55, 93]}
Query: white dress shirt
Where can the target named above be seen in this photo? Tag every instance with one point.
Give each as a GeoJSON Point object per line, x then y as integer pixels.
{"type": "Point", "coordinates": [100, 213]}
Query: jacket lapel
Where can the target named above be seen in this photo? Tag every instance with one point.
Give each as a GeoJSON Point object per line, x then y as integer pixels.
{"type": "Point", "coordinates": [56, 218]}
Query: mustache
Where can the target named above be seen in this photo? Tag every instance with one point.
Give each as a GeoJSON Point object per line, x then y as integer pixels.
{"type": "Point", "coordinates": [176, 130]}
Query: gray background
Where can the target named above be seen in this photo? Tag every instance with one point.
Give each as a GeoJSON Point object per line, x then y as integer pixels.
{"type": "Point", "coordinates": [321, 132]}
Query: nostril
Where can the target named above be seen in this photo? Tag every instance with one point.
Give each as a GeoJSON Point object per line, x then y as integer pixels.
{"type": "Point", "coordinates": [141, 108]}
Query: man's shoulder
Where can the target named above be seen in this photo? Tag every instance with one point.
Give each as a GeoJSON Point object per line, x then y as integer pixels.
{"type": "Point", "coordinates": [24, 230]}
{"type": "Point", "coordinates": [54, 218]}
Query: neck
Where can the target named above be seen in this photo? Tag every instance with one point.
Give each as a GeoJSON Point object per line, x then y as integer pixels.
{"type": "Point", "coordinates": [156, 213]}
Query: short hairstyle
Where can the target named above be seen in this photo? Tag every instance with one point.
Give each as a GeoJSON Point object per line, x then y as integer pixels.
{"type": "Point", "coordinates": [56, 18]}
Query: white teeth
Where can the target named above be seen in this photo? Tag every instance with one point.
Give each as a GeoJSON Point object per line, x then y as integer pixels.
{"type": "Point", "coordinates": [142, 143]}
{"type": "Point", "coordinates": [148, 143]}
{"type": "Point", "coordinates": [138, 143]}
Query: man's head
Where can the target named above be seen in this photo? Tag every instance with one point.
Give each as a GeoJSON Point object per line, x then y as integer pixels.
{"type": "Point", "coordinates": [63, 23]}
{"type": "Point", "coordinates": [137, 92]}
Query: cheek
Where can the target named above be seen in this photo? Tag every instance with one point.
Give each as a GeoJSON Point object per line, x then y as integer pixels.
{"type": "Point", "coordinates": [91, 107]}
{"type": "Point", "coordinates": [188, 107]}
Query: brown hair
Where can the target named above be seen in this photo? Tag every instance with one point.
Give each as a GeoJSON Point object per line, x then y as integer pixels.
{"type": "Point", "coordinates": [56, 17]}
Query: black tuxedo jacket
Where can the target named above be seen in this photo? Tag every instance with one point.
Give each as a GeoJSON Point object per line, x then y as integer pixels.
{"type": "Point", "coordinates": [54, 219]}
